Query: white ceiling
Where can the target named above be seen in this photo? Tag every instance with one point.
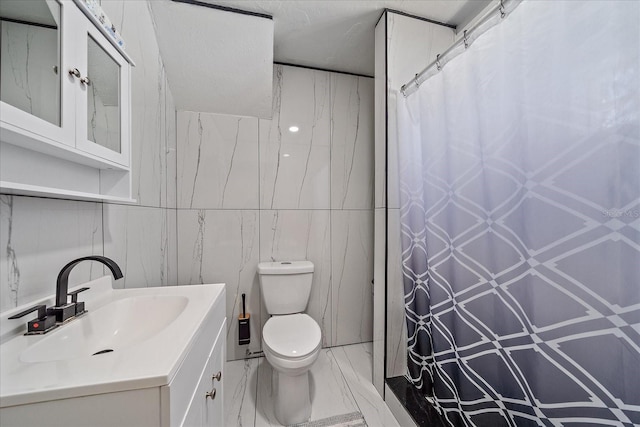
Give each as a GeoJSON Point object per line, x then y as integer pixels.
{"type": "Point", "coordinates": [222, 62]}
{"type": "Point", "coordinates": [338, 34]}
{"type": "Point", "coordinates": [216, 61]}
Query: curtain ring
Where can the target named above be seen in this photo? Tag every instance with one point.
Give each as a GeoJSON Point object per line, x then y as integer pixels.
{"type": "Point", "coordinates": [466, 41]}
{"type": "Point", "coordinates": [502, 11]}
{"type": "Point", "coordinates": [438, 65]}
{"type": "Point", "coordinates": [417, 81]}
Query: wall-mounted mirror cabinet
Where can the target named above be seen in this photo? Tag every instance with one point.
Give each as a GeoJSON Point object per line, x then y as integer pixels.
{"type": "Point", "coordinates": [64, 103]}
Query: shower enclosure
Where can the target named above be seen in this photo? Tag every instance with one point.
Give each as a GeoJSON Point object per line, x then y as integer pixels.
{"type": "Point", "coordinates": [516, 240]}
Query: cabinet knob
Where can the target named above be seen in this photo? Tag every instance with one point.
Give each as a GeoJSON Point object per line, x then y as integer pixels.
{"type": "Point", "coordinates": [217, 376]}
{"type": "Point", "coordinates": [85, 80]}
{"type": "Point", "coordinates": [210, 394]}
{"type": "Point", "coordinates": [74, 72]}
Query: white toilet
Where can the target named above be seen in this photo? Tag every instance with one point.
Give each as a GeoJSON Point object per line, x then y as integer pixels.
{"type": "Point", "coordinates": [291, 340]}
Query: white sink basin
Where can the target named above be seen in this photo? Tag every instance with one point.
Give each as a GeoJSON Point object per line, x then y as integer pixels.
{"type": "Point", "coordinates": [115, 326]}
{"type": "Point", "coordinates": [150, 331]}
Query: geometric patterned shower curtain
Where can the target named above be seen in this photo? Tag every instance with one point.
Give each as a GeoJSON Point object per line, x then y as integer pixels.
{"type": "Point", "coordinates": [520, 221]}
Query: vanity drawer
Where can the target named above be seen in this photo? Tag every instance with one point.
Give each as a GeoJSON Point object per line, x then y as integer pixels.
{"type": "Point", "coordinates": [176, 397]}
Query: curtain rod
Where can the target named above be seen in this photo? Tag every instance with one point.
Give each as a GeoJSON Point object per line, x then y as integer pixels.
{"type": "Point", "coordinates": [502, 10]}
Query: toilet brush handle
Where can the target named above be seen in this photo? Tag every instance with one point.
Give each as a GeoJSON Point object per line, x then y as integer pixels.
{"type": "Point", "coordinates": [244, 311]}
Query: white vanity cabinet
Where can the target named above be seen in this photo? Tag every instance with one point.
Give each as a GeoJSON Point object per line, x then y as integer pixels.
{"type": "Point", "coordinates": [64, 103]}
{"type": "Point", "coordinates": [174, 378]}
{"type": "Point", "coordinates": [195, 395]}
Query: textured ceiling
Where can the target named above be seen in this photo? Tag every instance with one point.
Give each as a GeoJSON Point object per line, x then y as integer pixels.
{"type": "Point", "coordinates": [338, 34]}
{"type": "Point", "coordinates": [222, 62]}
{"type": "Point", "coordinates": [216, 61]}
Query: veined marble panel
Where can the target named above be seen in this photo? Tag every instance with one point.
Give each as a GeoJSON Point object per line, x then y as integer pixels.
{"type": "Point", "coordinates": [148, 82]}
{"type": "Point", "coordinates": [294, 165]}
{"type": "Point", "coordinates": [379, 297]}
{"type": "Point", "coordinates": [217, 161]}
{"type": "Point", "coordinates": [380, 83]}
{"type": "Point", "coordinates": [222, 246]}
{"type": "Point", "coordinates": [330, 394]}
{"type": "Point", "coordinates": [170, 250]}
{"type": "Point", "coordinates": [352, 142]}
{"type": "Point", "coordinates": [137, 238]}
{"type": "Point", "coordinates": [396, 322]}
{"type": "Point", "coordinates": [351, 276]}
{"type": "Point", "coordinates": [39, 237]}
{"type": "Point", "coordinates": [405, 58]}
{"type": "Point", "coordinates": [170, 129]}
{"type": "Point", "coordinates": [295, 235]}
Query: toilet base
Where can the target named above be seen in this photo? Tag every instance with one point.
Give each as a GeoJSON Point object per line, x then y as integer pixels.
{"type": "Point", "coordinates": [292, 401]}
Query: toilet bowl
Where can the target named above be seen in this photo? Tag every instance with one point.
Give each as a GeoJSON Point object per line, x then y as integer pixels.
{"type": "Point", "coordinates": [291, 344]}
{"type": "Point", "coordinates": [291, 340]}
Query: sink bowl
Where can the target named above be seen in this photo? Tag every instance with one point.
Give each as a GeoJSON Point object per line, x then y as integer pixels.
{"type": "Point", "coordinates": [117, 325]}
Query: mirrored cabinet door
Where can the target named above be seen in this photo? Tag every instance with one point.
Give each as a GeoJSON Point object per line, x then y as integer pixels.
{"type": "Point", "coordinates": [31, 65]}
{"type": "Point", "coordinates": [103, 100]}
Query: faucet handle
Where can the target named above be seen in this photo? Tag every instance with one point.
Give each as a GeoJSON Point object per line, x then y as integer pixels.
{"type": "Point", "coordinates": [79, 306]}
{"type": "Point", "coordinates": [42, 312]}
{"type": "Point", "coordinates": [40, 325]}
{"type": "Point", "coordinates": [74, 294]}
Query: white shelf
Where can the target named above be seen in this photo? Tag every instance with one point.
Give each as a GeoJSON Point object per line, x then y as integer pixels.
{"type": "Point", "coordinates": [56, 193]}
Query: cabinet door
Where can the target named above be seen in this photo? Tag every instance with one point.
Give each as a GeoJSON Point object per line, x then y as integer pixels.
{"type": "Point", "coordinates": [103, 105]}
{"type": "Point", "coordinates": [37, 93]}
{"type": "Point", "coordinates": [213, 413]}
{"type": "Point", "coordinates": [206, 408]}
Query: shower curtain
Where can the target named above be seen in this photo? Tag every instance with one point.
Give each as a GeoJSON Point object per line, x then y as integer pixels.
{"type": "Point", "coordinates": [520, 221]}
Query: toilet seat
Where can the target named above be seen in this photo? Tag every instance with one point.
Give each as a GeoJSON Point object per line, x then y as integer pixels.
{"type": "Point", "coordinates": [291, 336]}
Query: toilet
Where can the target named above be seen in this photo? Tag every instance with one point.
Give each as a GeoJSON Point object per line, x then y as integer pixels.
{"type": "Point", "coordinates": [291, 339]}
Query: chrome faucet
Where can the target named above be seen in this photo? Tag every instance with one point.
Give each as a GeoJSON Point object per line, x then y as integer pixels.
{"type": "Point", "coordinates": [64, 309]}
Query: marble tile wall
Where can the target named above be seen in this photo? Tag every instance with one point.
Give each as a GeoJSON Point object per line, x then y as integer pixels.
{"type": "Point", "coordinates": [404, 46]}
{"type": "Point", "coordinates": [295, 166]}
{"type": "Point", "coordinates": [38, 236]}
{"type": "Point", "coordinates": [218, 160]}
{"type": "Point", "coordinates": [251, 190]}
{"type": "Point", "coordinates": [379, 203]}
{"type": "Point", "coordinates": [222, 246]}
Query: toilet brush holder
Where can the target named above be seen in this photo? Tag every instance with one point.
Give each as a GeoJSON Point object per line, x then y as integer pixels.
{"type": "Point", "coordinates": [244, 332]}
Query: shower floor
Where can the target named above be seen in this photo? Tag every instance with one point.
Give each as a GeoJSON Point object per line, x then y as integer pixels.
{"type": "Point", "coordinates": [423, 414]}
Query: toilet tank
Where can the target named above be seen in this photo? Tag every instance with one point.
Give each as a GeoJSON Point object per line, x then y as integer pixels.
{"type": "Point", "coordinates": [285, 285]}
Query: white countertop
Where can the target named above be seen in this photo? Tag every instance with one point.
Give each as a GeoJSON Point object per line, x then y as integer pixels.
{"type": "Point", "coordinates": [150, 363]}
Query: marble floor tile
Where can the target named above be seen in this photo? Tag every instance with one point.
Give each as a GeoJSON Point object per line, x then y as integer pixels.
{"type": "Point", "coordinates": [340, 381]}
{"type": "Point", "coordinates": [355, 362]}
{"type": "Point", "coordinates": [241, 383]}
{"type": "Point", "coordinates": [330, 394]}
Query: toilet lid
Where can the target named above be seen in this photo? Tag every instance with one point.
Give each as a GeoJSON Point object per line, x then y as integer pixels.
{"type": "Point", "coordinates": [291, 335]}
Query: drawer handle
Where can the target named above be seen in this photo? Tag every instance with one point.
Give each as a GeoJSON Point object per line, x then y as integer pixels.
{"type": "Point", "coordinates": [74, 72]}
{"type": "Point", "coordinates": [217, 376]}
{"type": "Point", "coordinates": [210, 394]}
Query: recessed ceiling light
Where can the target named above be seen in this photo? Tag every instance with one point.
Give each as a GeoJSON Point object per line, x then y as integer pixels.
{"type": "Point", "coordinates": [286, 155]}
{"type": "Point", "coordinates": [294, 129]}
